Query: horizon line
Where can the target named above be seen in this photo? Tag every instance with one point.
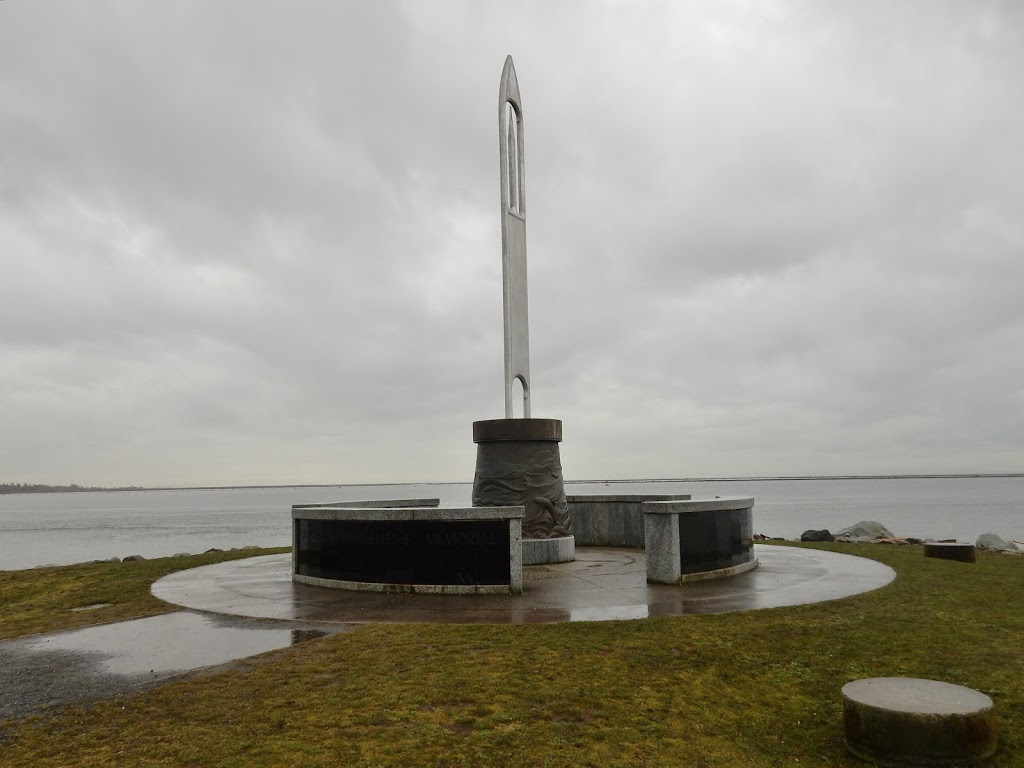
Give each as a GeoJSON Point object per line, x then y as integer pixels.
{"type": "Point", "coordinates": [606, 481]}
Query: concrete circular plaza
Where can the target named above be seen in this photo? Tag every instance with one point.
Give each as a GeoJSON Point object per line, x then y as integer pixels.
{"type": "Point", "coordinates": [603, 584]}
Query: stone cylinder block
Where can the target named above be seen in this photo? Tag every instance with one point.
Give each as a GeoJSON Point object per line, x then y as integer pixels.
{"type": "Point", "coordinates": [896, 721]}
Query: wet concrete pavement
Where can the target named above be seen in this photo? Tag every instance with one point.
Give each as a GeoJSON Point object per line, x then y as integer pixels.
{"type": "Point", "coordinates": [110, 659]}
{"type": "Point", "coordinates": [245, 607]}
{"type": "Point", "coordinates": [602, 584]}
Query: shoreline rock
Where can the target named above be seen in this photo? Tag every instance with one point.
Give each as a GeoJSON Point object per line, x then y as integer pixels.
{"type": "Point", "coordinates": [873, 532]}
{"type": "Point", "coordinates": [992, 542]}
{"type": "Point", "coordinates": [812, 535]}
{"type": "Point", "coordinates": [865, 530]}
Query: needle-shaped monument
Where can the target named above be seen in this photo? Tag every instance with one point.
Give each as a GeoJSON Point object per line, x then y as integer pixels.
{"type": "Point", "coordinates": [512, 172]}
{"type": "Point", "coordinates": [517, 461]}
{"type": "Point", "coordinates": [520, 515]}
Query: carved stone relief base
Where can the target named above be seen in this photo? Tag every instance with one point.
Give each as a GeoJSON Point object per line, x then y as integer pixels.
{"type": "Point", "coordinates": [518, 464]}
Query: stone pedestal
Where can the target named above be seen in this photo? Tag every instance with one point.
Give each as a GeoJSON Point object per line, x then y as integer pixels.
{"type": "Point", "coordinates": [518, 464]}
{"type": "Point", "coordinates": [561, 549]}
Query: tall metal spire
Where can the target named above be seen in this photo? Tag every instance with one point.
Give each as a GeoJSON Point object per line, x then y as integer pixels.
{"type": "Point", "coordinates": [511, 162]}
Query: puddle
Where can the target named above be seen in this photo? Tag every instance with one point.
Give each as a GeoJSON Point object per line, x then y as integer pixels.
{"type": "Point", "coordinates": [170, 643]}
{"type": "Point", "coordinates": [609, 613]}
{"type": "Point", "coordinates": [113, 659]}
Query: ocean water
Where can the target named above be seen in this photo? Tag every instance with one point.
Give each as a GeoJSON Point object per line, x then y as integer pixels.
{"type": "Point", "coordinates": [61, 528]}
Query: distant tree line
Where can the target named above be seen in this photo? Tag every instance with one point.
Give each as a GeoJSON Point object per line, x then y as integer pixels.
{"type": "Point", "coordinates": [38, 488]}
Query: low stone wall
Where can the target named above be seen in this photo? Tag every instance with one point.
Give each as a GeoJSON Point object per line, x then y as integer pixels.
{"type": "Point", "coordinates": [392, 547]}
{"type": "Point", "coordinates": [610, 520]}
{"type": "Point", "coordinates": [415, 545]}
{"type": "Point", "coordinates": [368, 503]}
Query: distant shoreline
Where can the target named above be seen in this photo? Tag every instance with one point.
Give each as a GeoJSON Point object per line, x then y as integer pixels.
{"type": "Point", "coordinates": [40, 488]}
{"type": "Point", "coordinates": [953, 476]}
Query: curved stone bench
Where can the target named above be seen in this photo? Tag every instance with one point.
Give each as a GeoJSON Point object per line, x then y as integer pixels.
{"type": "Point", "coordinates": [698, 539]}
{"type": "Point", "coordinates": [963, 553]}
{"type": "Point", "coordinates": [901, 720]}
{"type": "Point", "coordinates": [390, 546]}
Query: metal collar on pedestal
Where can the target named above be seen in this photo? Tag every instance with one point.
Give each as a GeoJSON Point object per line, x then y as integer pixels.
{"type": "Point", "coordinates": [494, 430]}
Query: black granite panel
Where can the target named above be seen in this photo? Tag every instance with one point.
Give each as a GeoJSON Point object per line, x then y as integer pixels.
{"type": "Point", "coordinates": [405, 551]}
{"type": "Point", "coordinates": [710, 540]}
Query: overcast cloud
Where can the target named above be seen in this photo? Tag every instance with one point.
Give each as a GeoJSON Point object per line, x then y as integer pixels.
{"type": "Point", "coordinates": [258, 242]}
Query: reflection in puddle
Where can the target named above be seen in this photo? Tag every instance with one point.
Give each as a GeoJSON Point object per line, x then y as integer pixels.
{"type": "Point", "coordinates": [302, 635]}
{"type": "Point", "coordinates": [173, 642]}
{"type": "Point", "coordinates": [609, 613]}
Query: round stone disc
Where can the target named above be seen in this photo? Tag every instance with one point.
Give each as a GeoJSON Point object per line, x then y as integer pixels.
{"type": "Point", "coordinates": [907, 721]}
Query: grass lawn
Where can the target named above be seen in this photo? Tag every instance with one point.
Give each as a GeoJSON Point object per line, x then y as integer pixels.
{"type": "Point", "coordinates": [42, 599]}
{"type": "Point", "coordinates": [750, 689]}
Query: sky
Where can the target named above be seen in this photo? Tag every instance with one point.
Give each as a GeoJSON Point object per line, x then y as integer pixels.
{"type": "Point", "coordinates": [259, 242]}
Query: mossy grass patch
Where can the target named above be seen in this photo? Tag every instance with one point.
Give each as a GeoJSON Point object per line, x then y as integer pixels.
{"type": "Point", "coordinates": [759, 688]}
{"type": "Point", "coordinates": [50, 599]}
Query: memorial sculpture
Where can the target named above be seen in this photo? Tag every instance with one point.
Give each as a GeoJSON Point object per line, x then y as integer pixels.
{"type": "Point", "coordinates": [520, 515]}
{"type": "Point", "coordinates": [518, 461]}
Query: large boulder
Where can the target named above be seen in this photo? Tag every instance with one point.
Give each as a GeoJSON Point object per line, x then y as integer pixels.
{"type": "Point", "coordinates": [991, 541]}
{"type": "Point", "coordinates": [865, 530]}
{"type": "Point", "coordinates": [822, 535]}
